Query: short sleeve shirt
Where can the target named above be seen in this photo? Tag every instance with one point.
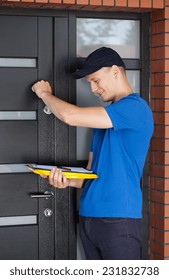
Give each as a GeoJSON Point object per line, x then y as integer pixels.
{"type": "Point", "coordinates": [118, 158]}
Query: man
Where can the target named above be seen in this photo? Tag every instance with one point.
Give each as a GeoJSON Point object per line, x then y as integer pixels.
{"type": "Point", "coordinates": [110, 206]}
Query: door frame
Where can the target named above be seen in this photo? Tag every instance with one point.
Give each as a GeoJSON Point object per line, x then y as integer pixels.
{"type": "Point", "coordinates": [65, 87]}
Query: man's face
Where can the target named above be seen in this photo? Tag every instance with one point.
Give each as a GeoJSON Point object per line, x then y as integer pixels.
{"type": "Point", "coordinates": [102, 83]}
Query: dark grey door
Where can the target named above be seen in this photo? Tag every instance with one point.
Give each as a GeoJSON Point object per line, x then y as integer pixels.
{"type": "Point", "coordinates": [27, 225]}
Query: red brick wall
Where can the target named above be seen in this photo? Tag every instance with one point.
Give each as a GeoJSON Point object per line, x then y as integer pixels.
{"type": "Point", "coordinates": [159, 155]}
{"type": "Point", "coordinates": [87, 4]}
{"type": "Point", "coordinates": [159, 92]}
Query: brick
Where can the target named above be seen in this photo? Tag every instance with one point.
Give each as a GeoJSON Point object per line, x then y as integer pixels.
{"type": "Point", "coordinates": [166, 131]}
{"type": "Point", "coordinates": [158, 4]}
{"type": "Point", "coordinates": [157, 257]}
{"type": "Point", "coordinates": [160, 78]}
{"type": "Point", "coordinates": [160, 105]}
{"type": "Point", "coordinates": [55, 1]}
{"type": "Point", "coordinates": [159, 248]}
{"type": "Point", "coordinates": [157, 157]}
{"type": "Point", "coordinates": [157, 15]}
{"type": "Point", "coordinates": [151, 256]}
{"type": "Point", "coordinates": [159, 91]}
{"type": "Point", "coordinates": [41, 1]}
{"type": "Point", "coordinates": [160, 196]}
{"type": "Point", "coordinates": [82, 2]}
{"type": "Point", "coordinates": [166, 52]}
{"type": "Point", "coordinates": [158, 27]}
{"type": "Point", "coordinates": [160, 157]}
{"type": "Point", "coordinates": [159, 235]}
{"type": "Point", "coordinates": [95, 2]}
{"type": "Point", "coordinates": [167, 2]}
{"type": "Point", "coordinates": [158, 40]}
{"type": "Point", "coordinates": [159, 183]}
{"type": "Point", "coordinates": [166, 10]}
{"type": "Point", "coordinates": [158, 210]}
{"type": "Point", "coordinates": [30, 1]}
{"type": "Point", "coordinates": [68, 1]}
{"type": "Point", "coordinates": [167, 78]}
{"type": "Point", "coordinates": [159, 222]}
{"type": "Point", "coordinates": [156, 248]}
{"type": "Point", "coordinates": [133, 3]}
{"type": "Point", "coordinates": [162, 210]}
{"type": "Point", "coordinates": [166, 237]}
{"type": "Point", "coordinates": [121, 3]}
{"type": "Point", "coordinates": [108, 3]}
{"type": "Point", "coordinates": [145, 3]}
{"type": "Point", "coordinates": [161, 118]}
{"type": "Point", "coordinates": [157, 53]}
{"type": "Point", "coordinates": [166, 65]}
{"type": "Point", "coordinates": [158, 144]}
{"type": "Point", "coordinates": [157, 170]}
{"type": "Point", "coordinates": [158, 66]}
{"type": "Point", "coordinates": [159, 131]}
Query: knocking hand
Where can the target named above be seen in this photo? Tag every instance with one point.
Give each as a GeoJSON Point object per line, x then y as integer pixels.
{"type": "Point", "coordinates": [57, 179]}
{"type": "Point", "coordinates": [42, 87]}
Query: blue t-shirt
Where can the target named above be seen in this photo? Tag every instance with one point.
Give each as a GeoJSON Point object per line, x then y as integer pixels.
{"type": "Point", "coordinates": [118, 158]}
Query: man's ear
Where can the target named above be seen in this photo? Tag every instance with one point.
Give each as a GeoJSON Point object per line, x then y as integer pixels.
{"type": "Point", "coordinates": [115, 70]}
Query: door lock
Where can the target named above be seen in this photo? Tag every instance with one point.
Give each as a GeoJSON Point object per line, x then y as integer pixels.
{"type": "Point", "coordinates": [48, 212]}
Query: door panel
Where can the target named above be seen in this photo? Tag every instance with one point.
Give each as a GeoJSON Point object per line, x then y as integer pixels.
{"type": "Point", "coordinates": [19, 242]}
{"type": "Point", "coordinates": [18, 36]}
{"type": "Point", "coordinates": [33, 228]}
{"type": "Point", "coordinates": [16, 190]}
{"type": "Point", "coordinates": [24, 228]}
{"type": "Point", "coordinates": [16, 89]}
{"type": "Point", "coordinates": [18, 142]}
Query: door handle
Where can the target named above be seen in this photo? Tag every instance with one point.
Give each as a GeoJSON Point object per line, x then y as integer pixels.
{"type": "Point", "coordinates": [46, 194]}
{"type": "Point", "coordinates": [46, 110]}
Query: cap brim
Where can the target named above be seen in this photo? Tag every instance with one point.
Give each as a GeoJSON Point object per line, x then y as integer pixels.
{"type": "Point", "coordinates": [81, 73]}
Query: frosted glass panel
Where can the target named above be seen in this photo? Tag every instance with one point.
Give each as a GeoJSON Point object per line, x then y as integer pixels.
{"type": "Point", "coordinates": [18, 115]}
{"type": "Point", "coordinates": [14, 168]}
{"type": "Point", "coordinates": [121, 35]}
{"type": "Point", "coordinates": [18, 220]}
{"type": "Point", "coordinates": [133, 77]}
{"type": "Point", "coordinates": [86, 98]}
{"type": "Point", "coordinates": [84, 135]}
{"type": "Point", "coordinates": [17, 62]}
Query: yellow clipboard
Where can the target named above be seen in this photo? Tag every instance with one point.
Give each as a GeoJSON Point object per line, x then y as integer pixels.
{"type": "Point", "coordinates": [69, 174]}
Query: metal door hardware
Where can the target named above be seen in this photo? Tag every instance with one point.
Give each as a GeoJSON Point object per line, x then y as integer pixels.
{"type": "Point", "coordinates": [46, 194]}
{"type": "Point", "coordinates": [46, 110]}
{"type": "Point", "coordinates": [48, 212]}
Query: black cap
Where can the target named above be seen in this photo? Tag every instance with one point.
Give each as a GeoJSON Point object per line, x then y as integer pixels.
{"type": "Point", "coordinates": [102, 57]}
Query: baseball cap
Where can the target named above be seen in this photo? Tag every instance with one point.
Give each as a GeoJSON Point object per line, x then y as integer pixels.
{"type": "Point", "coordinates": [102, 57]}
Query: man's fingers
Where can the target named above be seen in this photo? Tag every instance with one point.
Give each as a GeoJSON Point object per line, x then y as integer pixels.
{"type": "Point", "coordinates": [57, 179]}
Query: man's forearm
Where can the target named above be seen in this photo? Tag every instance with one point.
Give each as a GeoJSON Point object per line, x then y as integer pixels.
{"type": "Point", "coordinates": [60, 108]}
{"type": "Point", "coordinates": [76, 183]}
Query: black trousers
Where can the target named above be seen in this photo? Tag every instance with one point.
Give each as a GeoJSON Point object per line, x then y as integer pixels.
{"type": "Point", "coordinates": [110, 238]}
